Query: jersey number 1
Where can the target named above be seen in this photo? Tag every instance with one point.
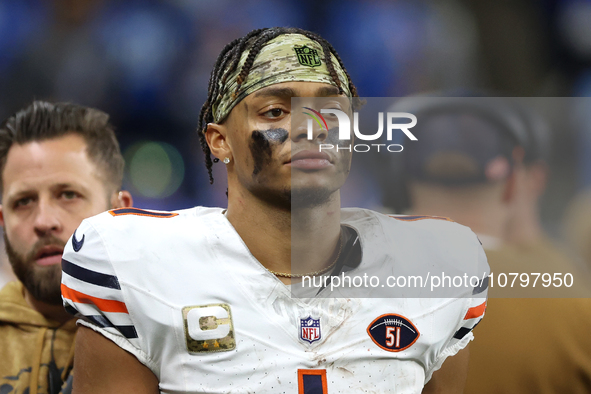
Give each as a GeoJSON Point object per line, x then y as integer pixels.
{"type": "Point", "coordinates": [312, 381]}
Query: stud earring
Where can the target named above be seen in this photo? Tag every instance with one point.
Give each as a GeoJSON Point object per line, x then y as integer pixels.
{"type": "Point", "coordinates": [226, 160]}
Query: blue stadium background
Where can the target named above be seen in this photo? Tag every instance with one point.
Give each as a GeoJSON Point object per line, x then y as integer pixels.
{"type": "Point", "coordinates": [147, 63]}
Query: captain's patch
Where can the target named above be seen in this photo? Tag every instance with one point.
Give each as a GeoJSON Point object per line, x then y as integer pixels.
{"type": "Point", "coordinates": [209, 328]}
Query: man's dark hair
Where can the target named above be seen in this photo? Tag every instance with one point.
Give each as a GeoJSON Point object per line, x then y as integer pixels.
{"type": "Point", "coordinates": [228, 60]}
{"type": "Point", "coordinates": [42, 121]}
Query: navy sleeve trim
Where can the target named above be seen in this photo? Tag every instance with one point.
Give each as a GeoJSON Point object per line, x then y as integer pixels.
{"type": "Point", "coordinates": [462, 332]}
{"type": "Point", "coordinates": [71, 310]}
{"type": "Point", "coordinates": [86, 275]}
{"type": "Point", "coordinates": [482, 285]}
{"type": "Point", "coordinates": [128, 332]}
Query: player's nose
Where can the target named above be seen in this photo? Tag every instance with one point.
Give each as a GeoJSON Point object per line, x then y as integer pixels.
{"type": "Point", "coordinates": [46, 218]}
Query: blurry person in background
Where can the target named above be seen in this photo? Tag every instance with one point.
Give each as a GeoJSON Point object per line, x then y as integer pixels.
{"type": "Point", "coordinates": [577, 226]}
{"type": "Point", "coordinates": [525, 233]}
{"type": "Point", "coordinates": [467, 165]}
{"type": "Point", "coordinates": [531, 172]}
{"type": "Point", "coordinates": [59, 163]}
{"type": "Point", "coordinates": [453, 169]}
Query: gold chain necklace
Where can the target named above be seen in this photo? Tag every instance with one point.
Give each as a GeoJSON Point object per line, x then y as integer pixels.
{"type": "Point", "coordinates": [321, 271]}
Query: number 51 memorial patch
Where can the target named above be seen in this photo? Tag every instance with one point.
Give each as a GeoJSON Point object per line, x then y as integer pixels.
{"type": "Point", "coordinates": [393, 332]}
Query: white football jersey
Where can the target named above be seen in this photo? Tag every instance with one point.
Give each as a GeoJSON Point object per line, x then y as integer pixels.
{"type": "Point", "coordinates": [183, 294]}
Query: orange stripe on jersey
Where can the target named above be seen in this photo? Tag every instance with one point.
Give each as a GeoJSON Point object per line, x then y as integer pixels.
{"type": "Point", "coordinates": [102, 304]}
{"type": "Point", "coordinates": [419, 217]}
{"type": "Point", "coordinates": [476, 311]}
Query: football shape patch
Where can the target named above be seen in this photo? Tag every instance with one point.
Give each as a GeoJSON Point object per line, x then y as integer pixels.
{"type": "Point", "coordinates": [393, 332]}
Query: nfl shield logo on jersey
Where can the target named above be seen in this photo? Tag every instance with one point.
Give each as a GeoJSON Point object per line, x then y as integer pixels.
{"type": "Point", "coordinates": [310, 329]}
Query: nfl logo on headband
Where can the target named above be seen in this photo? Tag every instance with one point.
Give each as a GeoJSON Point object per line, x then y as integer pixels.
{"type": "Point", "coordinates": [307, 56]}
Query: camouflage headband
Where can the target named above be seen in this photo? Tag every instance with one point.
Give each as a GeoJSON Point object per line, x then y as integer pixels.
{"type": "Point", "coordinates": [286, 58]}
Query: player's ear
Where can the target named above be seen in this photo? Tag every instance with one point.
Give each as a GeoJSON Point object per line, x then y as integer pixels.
{"type": "Point", "coordinates": [215, 136]}
{"type": "Point", "coordinates": [538, 177]}
{"type": "Point", "coordinates": [510, 191]}
{"type": "Point", "coordinates": [121, 199]}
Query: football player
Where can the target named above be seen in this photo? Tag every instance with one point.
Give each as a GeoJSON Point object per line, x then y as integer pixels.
{"type": "Point", "coordinates": [59, 163]}
{"type": "Point", "coordinates": [199, 300]}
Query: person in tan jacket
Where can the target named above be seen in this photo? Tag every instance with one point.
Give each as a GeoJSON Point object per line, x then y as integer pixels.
{"type": "Point", "coordinates": [481, 166]}
{"type": "Point", "coordinates": [59, 164]}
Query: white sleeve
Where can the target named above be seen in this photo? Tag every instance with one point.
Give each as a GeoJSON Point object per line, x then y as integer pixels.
{"type": "Point", "coordinates": [91, 290]}
{"type": "Point", "coordinates": [471, 315]}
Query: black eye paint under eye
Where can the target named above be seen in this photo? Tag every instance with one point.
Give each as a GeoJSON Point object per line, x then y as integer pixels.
{"type": "Point", "coordinates": [260, 146]}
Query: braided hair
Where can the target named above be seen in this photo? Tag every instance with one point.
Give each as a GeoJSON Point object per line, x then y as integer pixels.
{"type": "Point", "coordinates": [228, 60]}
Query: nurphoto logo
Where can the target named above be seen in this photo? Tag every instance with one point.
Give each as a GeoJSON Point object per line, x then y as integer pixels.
{"type": "Point", "coordinates": [344, 124]}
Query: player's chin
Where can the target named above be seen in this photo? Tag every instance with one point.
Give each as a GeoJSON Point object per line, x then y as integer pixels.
{"type": "Point", "coordinates": [331, 178]}
{"type": "Point", "coordinates": [311, 196]}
